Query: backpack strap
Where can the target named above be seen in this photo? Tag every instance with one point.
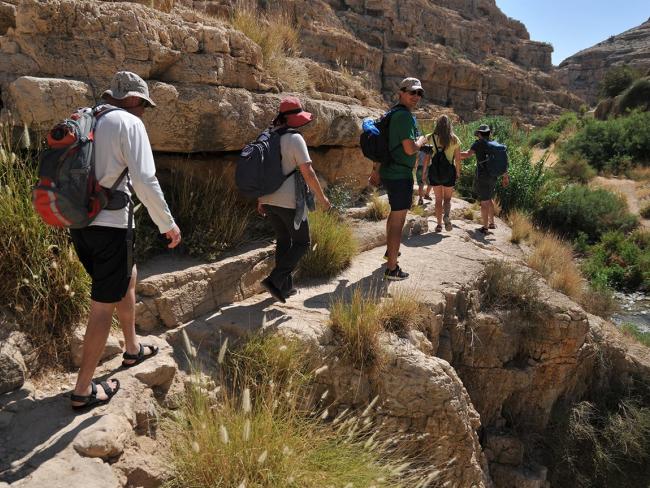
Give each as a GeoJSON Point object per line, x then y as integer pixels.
{"type": "Point", "coordinates": [287, 130]}
{"type": "Point", "coordinates": [395, 108]}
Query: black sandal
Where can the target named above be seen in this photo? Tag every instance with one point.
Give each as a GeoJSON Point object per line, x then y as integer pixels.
{"type": "Point", "coordinates": [492, 226]}
{"type": "Point", "coordinates": [89, 401]}
{"type": "Point", "coordinates": [139, 357]}
{"type": "Point", "coordinates": [438, 228]}
{"type": "Point", "coordinates": [484, 230]}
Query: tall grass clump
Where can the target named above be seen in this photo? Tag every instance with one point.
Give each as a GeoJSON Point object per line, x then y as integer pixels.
{"type": "Point", "coordinates": [601, 445]}
{"type": "Point", "coordinates": [574, 208]}
{"type": "Point", "coordinates": [356, 321]}
{"type": "Point", "coordinates": [42, 280]}
{"type": "Point", "coordinates": [378, 208]}
{"type": "Point", "coordinates": [332, 246]}
{"type": "Point", "coordinates": [521, 227]}
{"type": "Point", "coordinates": [402, 312]}
{"type": "Point", "coordinates": [633, 331]}
{"type": "Point", "coordinates": [504, 287]}
{"type": "Point", "coordinates": [267, 428]}
{"type": "Point", "coordinates": [272, 29]}
{"type": "Point", "coordinates": [575, 169]}
{"type": "Point", "coordinates": [553, 259]}
{"type": "Point", "coordinates": [209, 213]}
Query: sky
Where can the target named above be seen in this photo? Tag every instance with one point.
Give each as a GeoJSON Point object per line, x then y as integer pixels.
{"type": "Point", "coordinates": [573, 25]}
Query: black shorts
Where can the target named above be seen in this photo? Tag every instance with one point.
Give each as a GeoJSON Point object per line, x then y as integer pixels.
{"type": "Point", "coordinates": [103, 253]}
{"type": "Point", "coordinates": [400, 193]}
{"type": "Point", "coordinates": [484, 187]}
{"type": "Point", "coordinates": [450, 182]}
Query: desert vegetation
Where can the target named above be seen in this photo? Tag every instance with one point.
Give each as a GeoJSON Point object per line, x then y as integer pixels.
{"type": "Point", "coordinates": [266, 425]}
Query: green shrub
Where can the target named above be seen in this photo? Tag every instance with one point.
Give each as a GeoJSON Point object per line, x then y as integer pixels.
{"type": "Point", "coordinates": [616, 80]}
{"type": "Point", "coordinates": [544, 137]}
{"type": "Point", "coordinates": [645, 211]}
{"type": "Point", "coordinates": [612, 144]}
{"type": "Point", "coordinates": [209, 225]}
{"type": "Point", "coordinates": [42, 280]}
{"type": "Point", "coordinates": [574, 169]}
{"type": "Point", "coordinates": [341, 195]}
{"type": "Point", "coordinates": [333, 246]}
{"type": "Point", "coordinates": [576, 208]}
{"type": "Point", "coordinates": [633, 331]}
{"type": "Point", "coordinates": [636, 96]}
{"type": "Point", "coordinates": [618, 261]}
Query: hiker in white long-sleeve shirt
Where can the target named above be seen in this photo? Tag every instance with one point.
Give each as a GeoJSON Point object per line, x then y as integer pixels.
{"type": "Point", "coordinates": [105, 248]}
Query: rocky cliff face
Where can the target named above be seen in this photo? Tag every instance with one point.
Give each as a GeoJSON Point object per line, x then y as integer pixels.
{"type": "Point", "coordinates": [582, 72]}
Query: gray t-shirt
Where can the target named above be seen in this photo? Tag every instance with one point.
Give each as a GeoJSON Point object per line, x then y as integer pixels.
{"type": "Point", "coordinates": [294, 153]}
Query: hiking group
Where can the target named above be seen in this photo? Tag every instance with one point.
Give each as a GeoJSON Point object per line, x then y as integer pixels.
{"type": "Point", "coordinates": [398, 150]}
{"type": "Point", "coordinates": [100, 157]}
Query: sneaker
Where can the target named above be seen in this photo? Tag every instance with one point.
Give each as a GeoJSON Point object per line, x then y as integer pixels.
{"type": "Point", "coordinates": [484, 230]}
{"type": "Point", "coordinates": [273, 290]}
{"type": "Point", "coordinates": [395, 275]}
{"type": "Point", "coordinates": [386, 255]}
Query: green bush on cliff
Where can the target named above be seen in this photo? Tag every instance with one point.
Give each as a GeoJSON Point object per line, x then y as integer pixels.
{"type": "Point", "coordinates": [572, 209]}
{"type": "Point", "coordinates": [612, 145]}
{"type": "Point", "coordinates": [636, 96]}
{"type": "Point", "coordinates": [617, 79]}
{"type": "Point", "coordinates": [43, 283]}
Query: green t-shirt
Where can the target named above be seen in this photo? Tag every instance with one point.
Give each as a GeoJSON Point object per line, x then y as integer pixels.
{"type": "Point", "coordinates": [402, 126]}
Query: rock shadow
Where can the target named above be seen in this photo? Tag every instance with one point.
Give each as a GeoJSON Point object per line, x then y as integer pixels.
{"type": "Point", "coordinates": [373, 284]}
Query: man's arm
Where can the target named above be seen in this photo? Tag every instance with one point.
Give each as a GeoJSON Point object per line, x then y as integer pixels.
{"type": "Point", "coordinates": [411, 146]}
{"type": "Point", "coordinates": [466, 154]}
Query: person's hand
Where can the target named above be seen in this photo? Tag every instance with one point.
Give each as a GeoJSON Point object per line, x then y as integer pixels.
{"type": "Point", "coordinates": [325, 203]}
{"type": "Point", "coordinates": [260, 209]}
{"type": "Point", "coordinates": [505, 181]}
{"type": "Point", "coordinates": [174, 236]}
{"type": "Point", "coordinates": [421, 141]}
{"type": "Point", "coordinates": [374, 179]}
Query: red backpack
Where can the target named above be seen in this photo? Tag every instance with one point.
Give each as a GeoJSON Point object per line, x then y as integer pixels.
{"type": "Point", "coordinates": [67, 193]}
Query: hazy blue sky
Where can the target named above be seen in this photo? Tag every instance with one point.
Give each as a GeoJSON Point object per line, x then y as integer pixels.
{"type": "Point", "coordinates": [573, 25]}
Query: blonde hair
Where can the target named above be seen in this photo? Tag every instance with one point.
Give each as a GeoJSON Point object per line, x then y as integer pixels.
{"type": "Point", "coordinates": [444, 131]}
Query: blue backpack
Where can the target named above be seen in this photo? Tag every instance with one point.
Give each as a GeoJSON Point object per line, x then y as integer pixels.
{"type": "Point", "coordinates": [375, 136]}
{"type": "Point", "coordinates": [497, 158]}
{"type": "Point", "coordinates": [259, 167]}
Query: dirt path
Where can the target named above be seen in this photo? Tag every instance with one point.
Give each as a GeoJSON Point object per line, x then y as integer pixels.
{"type": "Point", "coordinates": [628, 188]}
{"type": "Point", "coordinates": [548, 155]}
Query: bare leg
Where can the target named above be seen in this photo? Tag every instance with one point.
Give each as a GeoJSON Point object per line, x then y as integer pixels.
{"type": "Point", "coordinates": [491, 212]}
{"type": "Point", "coordinates": [126, 315]}
{"type": "Point", "coordinates": [394, 226]}
{"type": "Point", "coordinates": [448, 191]}
{"type": "Point", "coordinates": [99, 325]}
{"type": "Point", "coordinates": [438, 192]}
{"type": "Point", "coordinates": [485, 212]}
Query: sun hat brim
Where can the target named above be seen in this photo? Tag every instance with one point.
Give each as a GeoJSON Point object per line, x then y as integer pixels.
{"type": "Point", "coordinates": [299, 119]}
{"type": "Point", "coordinates": [129, 94]}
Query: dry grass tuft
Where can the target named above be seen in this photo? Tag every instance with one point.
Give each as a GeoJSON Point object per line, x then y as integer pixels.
{"type": "Point", "coordinates": [553, 258]}
{"type": "Point", "coordinates": [357, 323]}
{"type": "Point", "coordinates": [599, 301]}
{"type": "Point", "coordinates": [403, 312]}
{"type": "Point", "coordinates": [378, 208]}
{"type": "Point", "coordinates": [522, 228]}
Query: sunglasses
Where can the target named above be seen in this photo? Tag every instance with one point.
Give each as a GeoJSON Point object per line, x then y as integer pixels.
{"type": "Point", "coordinates": [143, 103]}
{"type": "Point", "coordinates": [419, 93]}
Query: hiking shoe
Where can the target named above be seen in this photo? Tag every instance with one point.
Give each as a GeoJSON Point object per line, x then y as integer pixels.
{"type": "Point", "coordinates": [289, 293]}
{"type": "Point", "coordinates": [395, 275]}
{"type": "Point", "coordinates": [492, 226]}
{"type": "Point", "coordinates": [386, 255]}
{"type": "Point", "coordinates": [273, 290]}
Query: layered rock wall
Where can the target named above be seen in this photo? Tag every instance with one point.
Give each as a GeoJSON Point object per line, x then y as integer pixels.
{"type": "Point", "coordinates": [583, 72]}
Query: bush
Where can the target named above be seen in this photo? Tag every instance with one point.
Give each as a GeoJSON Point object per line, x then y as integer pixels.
{"type": "Point", "coordinates": [620, 262]}
{"type": "Point", "coordinates": [341, 195]}
{"type": "Point", "coordinates": [544, 137]}
{"type": "Point", "coordinates": [599, 300]}
{"type": "Point", "coordinates": [645, 211]}
{"type": "Point", "coordinates": [333, 246]}
{"type": "Point", "coordinates": [357, 324]}
{"type": "Point", "coordinates": [575, 208]}
{"type": "Point", "coordinates": [575, 169]}
{"type": "Point", "coordinates": [612, 143]}
{"type": "Point", "coordinates": [42, 280]}
{"type": "Point", "coordinates": [209, 225]}
{"type": "Point", "coordinates": [616, 80]}
{"type": "Point", "coordinates": [636, 96]}
{"type": "Point", "coordinates": [402, 312]}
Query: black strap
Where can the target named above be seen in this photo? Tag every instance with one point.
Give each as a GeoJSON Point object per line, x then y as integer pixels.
{"type": "Point", "coordinates": [130, 233]}
{"type": "Point", "coordinates": [395, 108]}
{"type": "Point", "coordinates": [291, 112]}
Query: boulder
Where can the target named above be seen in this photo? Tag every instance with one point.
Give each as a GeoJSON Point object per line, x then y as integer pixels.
{"type": "Point", "coordinates": [105, 438]}
{"type": "Point", "coordinates": [13, 369]}
{"type": "Point", "coordinates": [113, 346]}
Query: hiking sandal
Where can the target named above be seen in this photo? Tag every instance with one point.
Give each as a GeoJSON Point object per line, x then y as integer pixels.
{"type": "Point", "coordinates": [139, 357]}
{"type": "Point", "coordinates": [90, 401]}
{"type": "Point", "coordinates": [484, 230]}
{"type": "Point", "coordinates": [438, 228]}
{"type": "Point", "coordinates": [492, 226]}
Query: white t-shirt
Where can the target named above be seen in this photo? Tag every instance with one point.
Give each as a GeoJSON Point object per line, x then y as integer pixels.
{"type": "Point", "coordinates": [121, 141]}
{"type": "Point", "coordinates": [294, 153]}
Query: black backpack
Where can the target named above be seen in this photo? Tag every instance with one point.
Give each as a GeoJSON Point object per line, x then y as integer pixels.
{"type": "Point", "coordinates": [440, 169]}
{"type": "Point", "coordinates": [376, 146]}
{"type": "Point", "coordinates": [259, 167]}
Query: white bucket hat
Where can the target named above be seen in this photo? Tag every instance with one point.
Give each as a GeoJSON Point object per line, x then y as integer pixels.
{"type": "Point", "coordinates": [127, 84]}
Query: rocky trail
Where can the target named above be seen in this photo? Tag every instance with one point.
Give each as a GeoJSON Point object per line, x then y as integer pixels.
{"type": "Point", "coordinates": [44, 443]}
